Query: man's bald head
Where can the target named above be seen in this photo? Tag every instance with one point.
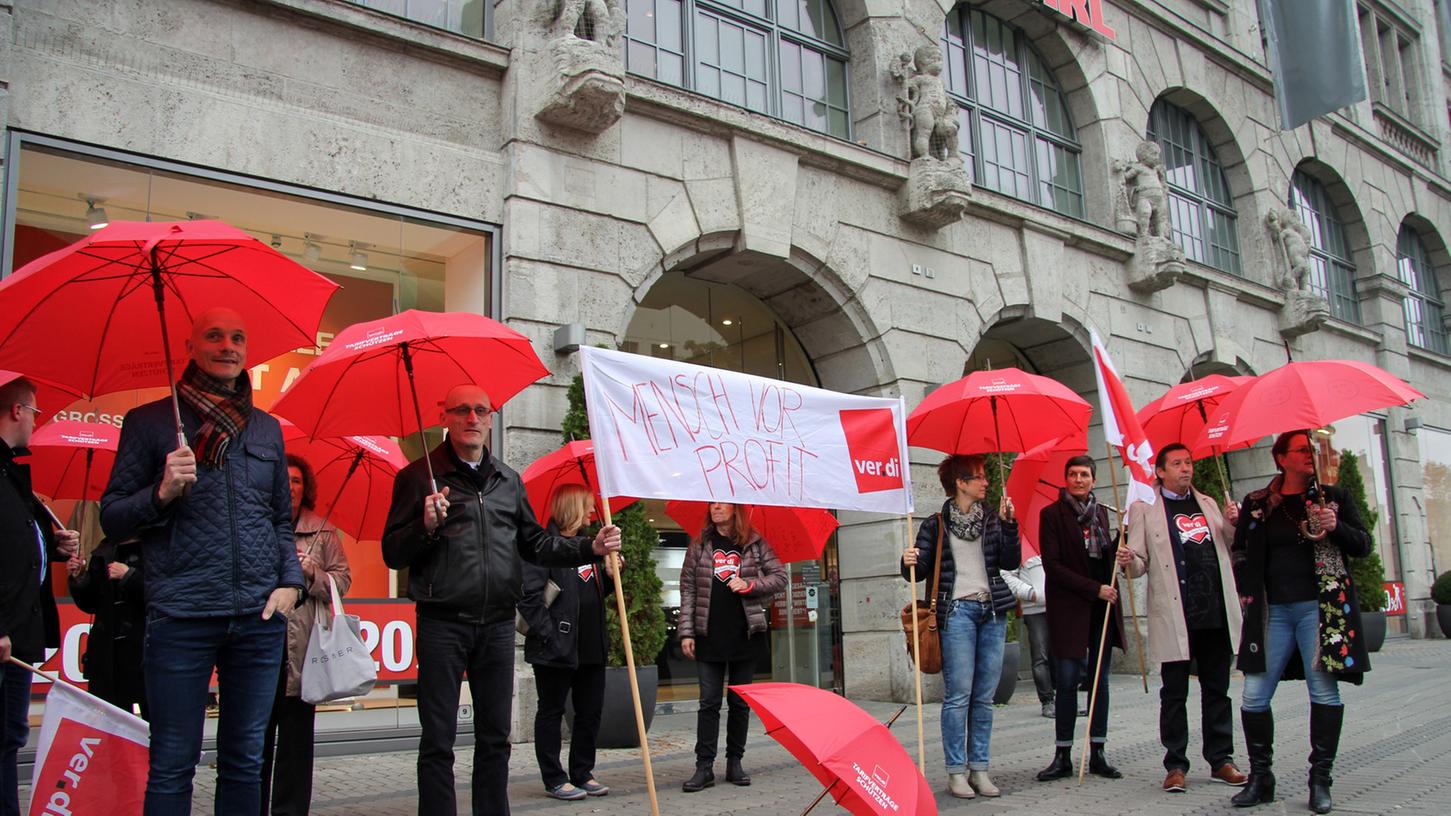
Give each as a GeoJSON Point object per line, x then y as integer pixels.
{"type": "Point", "coordinates": [218, 343]}
{"type": "Point", "coordinates": [468, 414]}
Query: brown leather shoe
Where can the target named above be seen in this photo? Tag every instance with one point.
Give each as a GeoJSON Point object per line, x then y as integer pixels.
{"type": "Point", "coordinates": [1229, 775]}
{"type": "Point", "coordinates": [1174, 782]}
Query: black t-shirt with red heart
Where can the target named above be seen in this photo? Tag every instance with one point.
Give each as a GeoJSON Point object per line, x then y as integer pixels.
{"type": "Point", "coordinates": [590, 638]}
{"type": "Point", "coordinates": [728, 634]}
{"type": "Point", "coordinates": [1200, 589]}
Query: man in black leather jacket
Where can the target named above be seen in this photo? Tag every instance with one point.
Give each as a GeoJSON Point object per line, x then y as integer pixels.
{"type": "Point", "coordinates": [462, 547]}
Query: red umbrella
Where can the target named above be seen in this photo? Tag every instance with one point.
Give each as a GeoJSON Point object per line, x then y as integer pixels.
{"type": "Point", "coordinates": [1004, 409]}
{"type": "Point", "coordinates": [864, 768]}
{"type": "Point", "coordinates": [375, 376]}
{"type": "Point", "coordinates": [795, 533]}
{"type": "Point", "coordinates": [126, 295]}
{"type": "Point", "coordinates": [573, 464]}
{"type": "Point", "coordinates": [50, 397]}
{"type": "Point", "coordinates": [72, 460]}
{"type": "Point", "coordinates": [1035, 482]}
{"type": "Point", "coordinates": [1182, 412]}
{"type": "Point", "coordinates": [1303, 395]}
{"type": "Point", "coordinates": [354, 477]}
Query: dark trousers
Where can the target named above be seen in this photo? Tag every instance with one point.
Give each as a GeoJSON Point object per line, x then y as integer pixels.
{"type": "Point", "coordinates": [1037, 626]}
{"type": "Point", "coordinates": [447, 650]}
{"type": "Point", "coordinates": [713, 677]}
{"type": "Point", "coordinates": [1210, 649]}
{"type": "Point", "coordinates": [14, 728]}
{"type": "Point", "coordinates": [1067, 673]}
{"type": "Point", "coordinates": [287, 754]}
{"type": "Point", "coordinates": [587, 685]}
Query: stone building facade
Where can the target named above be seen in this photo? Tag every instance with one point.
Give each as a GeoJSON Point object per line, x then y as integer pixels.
{"type": "Point", "coordinates": [606, 158]}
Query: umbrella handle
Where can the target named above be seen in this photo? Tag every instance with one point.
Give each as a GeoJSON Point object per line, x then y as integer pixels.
{"type": "Point", "coordinates": [821, 796]}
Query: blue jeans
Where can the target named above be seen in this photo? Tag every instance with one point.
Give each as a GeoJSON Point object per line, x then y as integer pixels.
{"type": "Point", "coordinates": [1292, 627]}
{"type": "Point", "coordinates": [14, 728]}
{"type": "Point", "coordinates": [180, 654]}
{"type": "Point", "coordinates": [972, 660]}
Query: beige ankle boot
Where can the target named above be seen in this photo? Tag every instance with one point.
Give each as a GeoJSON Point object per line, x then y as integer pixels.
{"type": "Point", "coordinates": [982, 784]}
{"type": "Point", "coordinates": [957, 786]}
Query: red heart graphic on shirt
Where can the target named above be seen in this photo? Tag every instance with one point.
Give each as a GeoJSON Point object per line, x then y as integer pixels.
{"type": "Point", "coordinates": [1192, 528]}
{"type": "Point", "coordinates": [586, 572]}
{"type": "Point", "coordinates": [727, 564]}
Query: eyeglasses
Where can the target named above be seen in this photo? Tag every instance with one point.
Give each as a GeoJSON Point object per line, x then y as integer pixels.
{"type": "Point", "coordinates": [971, 477]}
{"type": "Point", "coordinates": [463, 411]}
{"type": "Point", "coordinates": [29, 408]}
{"type": "Point", "coordinates": [1303, 450]}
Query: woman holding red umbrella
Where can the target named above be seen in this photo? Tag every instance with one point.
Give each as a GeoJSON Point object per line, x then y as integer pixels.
{"type": "Point", "coordinates": [1298, 597]}
{"type": "Point", "coordinates": [972, 606]}
{"type": "Point", "coordinates": [728, 576]}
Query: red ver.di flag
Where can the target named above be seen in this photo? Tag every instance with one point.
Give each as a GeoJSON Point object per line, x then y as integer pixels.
{"type": "Point", "coordinates": [670, 430]}
{"type": "Point", "coordinates": [1121, 427]}
{"type": "Point", "coordinates": [91, 758]}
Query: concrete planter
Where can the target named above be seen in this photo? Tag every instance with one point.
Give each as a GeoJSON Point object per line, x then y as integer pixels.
{"type": "Point", "coordinates": [1008, 680]}
{"type": "Point", "coordinates": [1443, 617]}
{"type": "Point", "coordinates": [617, 723]}
{"type": "Point", "coordinates": [1373, 626]}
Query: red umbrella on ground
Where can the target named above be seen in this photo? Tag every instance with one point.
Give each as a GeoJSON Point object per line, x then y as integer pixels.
{"type": "Point", "coordinates": [573, 464]}
{"type": "Point", "coordinates": [375, 376]}
{"type": "Point", "coordinates": [50, 397]}
{"type": "Point", "coordinates": [1035, 482]}
{"type": "Point", "coordinates": [795, 533]}
{"type": "Point", "coordinates": [126, 296]}
{"type": "Point", "coordinates": [72, 460]}
{"type": "Point", "coordinates": [1003, 409]}
{"type": "Point", "coordinates": [1303, 395]}
{"type": "Point", "coordinates": [354, 477]}
{"type": "Point", "coordinates": [864, 768]}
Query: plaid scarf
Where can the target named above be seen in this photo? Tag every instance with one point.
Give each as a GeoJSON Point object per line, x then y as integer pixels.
{"type": "Point", "coordinates": [1096, 541]}
{"type": "Point", "coordinates": [224, 409]}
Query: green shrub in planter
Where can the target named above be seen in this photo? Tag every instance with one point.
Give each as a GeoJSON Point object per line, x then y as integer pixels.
{"type": "Point", "coordinates": [1441, 590]}
{"type": "Point", "coordinates": [1366, 574]}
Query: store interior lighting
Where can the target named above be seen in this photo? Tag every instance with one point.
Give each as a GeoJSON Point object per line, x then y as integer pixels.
{"type": "Point", "coordinates": [311, 252]}
{"type": "Point", "coordinates": [357, 259]}
{"type": "Point", "coordinates": [96, 216]}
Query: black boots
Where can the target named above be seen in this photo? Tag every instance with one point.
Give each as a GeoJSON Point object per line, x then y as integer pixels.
{"type": "Point", "coordinates": [704, 778]}
{"type": "Point", "coordinates": [1060, 768]}
{"type": "Point", "coordinates": [1098, 763]}
{"type": "Point", "coordinates": [1259, 741]}
{"type": "Point", "coordinates": [735, 774]}
{"type": "Point", "coordinates": [1325, 722]}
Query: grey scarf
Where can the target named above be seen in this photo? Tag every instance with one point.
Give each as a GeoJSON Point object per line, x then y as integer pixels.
{"type": "Point", "coordinates": [966, 526]}
{"type": "Point", "coordinates": [1097, 540]}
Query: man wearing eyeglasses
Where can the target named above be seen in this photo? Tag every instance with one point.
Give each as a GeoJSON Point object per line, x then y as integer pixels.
{"type": "Point", "coordinates": [28, 621]}
{"type": "Point", "coordinates": [461, 546]}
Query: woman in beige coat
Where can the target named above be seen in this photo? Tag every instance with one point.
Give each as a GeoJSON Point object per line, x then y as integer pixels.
{"type": "Point", "coordinates": [1182, 541]}
{"type": "Point", "coordinates": [288, 772]}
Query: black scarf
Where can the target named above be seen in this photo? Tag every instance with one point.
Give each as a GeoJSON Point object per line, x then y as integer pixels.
{"type": "Point", "coordinates": [1097, 540]}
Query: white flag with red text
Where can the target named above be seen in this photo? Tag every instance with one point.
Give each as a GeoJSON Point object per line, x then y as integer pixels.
{"type": "Point", "coordinates": [92, 757]}
{"type": "Point", "coordinates": [1122, 429]}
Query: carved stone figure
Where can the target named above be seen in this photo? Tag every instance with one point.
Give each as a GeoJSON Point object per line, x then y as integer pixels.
{"type": "Point", "coordinates": [930, 115]}
{"type": "Point", "coordinates": [937, 192]}
{"type": "Point", "coordinates": [1144, 192]}
{"type": "Point", "coordinates": [601, 21]}
{"type": "Point", "coordinates": [1293, 239]}
{"type": "Point", "coordinates": [587, 89]}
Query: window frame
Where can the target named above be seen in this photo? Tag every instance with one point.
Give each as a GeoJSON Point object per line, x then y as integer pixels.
{"type": "Point", "coordinates": [1310, 199]}
{"type": "Point", "coordinates": [488, 8]}
{"type": "Point", "coordinates": [1413, 261]}
{"type": "Point", "coordinates": [1205, 161]}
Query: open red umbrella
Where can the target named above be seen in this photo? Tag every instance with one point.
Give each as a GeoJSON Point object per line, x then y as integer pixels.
{"type": "Point", "coordinates": [795, 533]}
{"type": "Point", "coordinates": [1035, 482]}
{"type": "Point", "coordinates": [864, 768]}
{"type": "Point", "coordinates": [1182, 412]}
{"type": "Point", "coordinates": [354, 477]}
{"type": "Point", "coordinates": [50, 397]}
{"type": "Point", "coordinates": [573, 464]}
{"type": "Point", "coordinates": [375, 376]}
{"type": "Point", "coordinates": [1004, 409]}
{"type": "Point", "coordinates": [1303, 395]}
{"type": "Point", "coordinates": [72, 460]}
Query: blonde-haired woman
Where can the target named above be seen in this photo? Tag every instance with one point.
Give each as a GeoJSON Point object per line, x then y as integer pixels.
{"type": "Point", "coordinates": [567, 646]}
{"type": "Point", "coordinates": [729, 575]}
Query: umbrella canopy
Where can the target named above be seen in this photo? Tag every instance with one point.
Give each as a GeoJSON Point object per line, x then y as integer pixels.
{"type": "Point", "coordinates": [126, 295]}
{"type": "Point", "coordinates": [1303, 395]}
{"type": "Point", "coordinates": [1004, 409]}
{"type": "Point", "coordinates": [50, 396]}
{"type": "Point", "coordinates": [573, 464]}
{"type": "Point", "coordinates": [1182, 412]}
{"type": "Point", "coordinates": [354, 477]}
{"type": "Point", "coordinates": [72, 460]}
{"type": "Point", "coordinates": [865, 768]}
{"type": "Point", "coordinates": [1035, 482]}
{"type": "Point", "coordinates": [795, 533]}
{"type": "Point", "coordinates": [364, 382]}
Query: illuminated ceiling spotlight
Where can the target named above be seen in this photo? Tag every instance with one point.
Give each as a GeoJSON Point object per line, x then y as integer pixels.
{"type": "Point", "coordinates": [357, 258]}
{"type": "Point", "coordinates": [96, 216]}
{"type": "Point", "coordinates": [311, 252]}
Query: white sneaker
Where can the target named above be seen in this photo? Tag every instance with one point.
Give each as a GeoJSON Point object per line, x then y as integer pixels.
{"type": "Point", "coordinates": [982, 784]}
{"type": "Point", "coordinates": [957, 786]}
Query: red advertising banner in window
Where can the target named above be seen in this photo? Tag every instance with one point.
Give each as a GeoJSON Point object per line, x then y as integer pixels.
{"type": "Point", "coordinates": [1395, 598]}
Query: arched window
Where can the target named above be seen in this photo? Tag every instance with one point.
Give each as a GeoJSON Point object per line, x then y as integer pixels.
{"type": "Point", "coordinates": [785, 58]}
{"type": "Point", "coordinates": [1200, 210]}
{"type": "Point", "coordinates": [1425, 312]}
{"type": "Point", "coordinates": [1015, 132]}
{"type": "Point", "coordinates": [1332, 272]}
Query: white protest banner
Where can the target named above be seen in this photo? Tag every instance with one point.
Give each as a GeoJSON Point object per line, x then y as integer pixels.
{"type": "Point", "coordinates": [91, 757]}
{"type": "Point", "coordinates": [669, 430]}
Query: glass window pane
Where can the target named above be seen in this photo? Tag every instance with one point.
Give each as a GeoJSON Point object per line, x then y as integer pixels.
{"type": "Point", "coordinates": [640, 59]}
{"type": "Point", "coordinates": [640, 20]}
{"type": "Point", "coordinates": [788, 13]}
{"type": "Point", "coordinates": [732, 48]}
{"type": "Point", "coordinates": [813, 74]}
{"type": "Point", "coordinates": [755, 55]}
{"type": "Point", "coordinates": [670, 68]}
{"type": "Point", "coordinates": [706, 38]}
{"type": "Point", "coordinates": [836, 83]}
{"type": "Point", "coordinates": [669, 33]}
{"type": "Point", "coordinates": [838, 125]}
{"type": "Point", "coordinates": [790, 67]}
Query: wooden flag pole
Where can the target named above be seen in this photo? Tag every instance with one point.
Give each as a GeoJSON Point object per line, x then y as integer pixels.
{"type": "Point", "coordinates": [1133, 604]}
{"type": "Point", "coordinates": [614, 563]}
{"type": "Point", "coordinates": [916, 652]}
{"type": "Point", "coordinates": [1097, 670]}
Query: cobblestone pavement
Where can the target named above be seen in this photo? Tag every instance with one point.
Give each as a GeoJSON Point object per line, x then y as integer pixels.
{"type": "Point", "coordinates": [1395, 757]}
